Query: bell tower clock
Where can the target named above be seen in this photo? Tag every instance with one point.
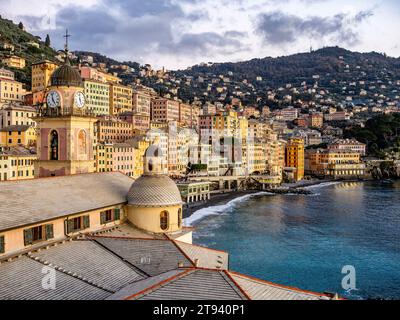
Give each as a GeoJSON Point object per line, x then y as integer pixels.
{"type": "Point", "coordinates": [65, 126]}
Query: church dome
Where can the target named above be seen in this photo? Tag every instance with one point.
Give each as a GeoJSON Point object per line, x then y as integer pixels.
{"type": "Point", "coordinates": [154, 191]}
{"type": "Point", "coordinates": [66, 76]}
{"type": "Point", "coordinates": [154, 188]}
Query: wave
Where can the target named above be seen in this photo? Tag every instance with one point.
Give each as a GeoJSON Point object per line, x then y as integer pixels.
{"type": "Point", "coordinates": [217, 210]}
{"type": "Point", "coordinates": [322, 185]}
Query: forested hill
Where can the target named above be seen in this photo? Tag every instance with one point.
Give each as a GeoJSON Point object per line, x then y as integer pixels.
{"type": "Point", "coordinates": [333, 61]}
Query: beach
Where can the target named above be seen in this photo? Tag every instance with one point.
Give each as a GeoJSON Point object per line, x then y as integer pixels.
{"type": "Point", "coordinates": [224, 198]}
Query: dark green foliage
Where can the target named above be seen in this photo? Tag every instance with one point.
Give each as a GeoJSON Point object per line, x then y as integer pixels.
{"type": "Point", "coordinates": [47, 42]}
{"type": "Point", "coordinates": [198, 167]}
{"type": "Point", "coordinates": [14, 34]}
{"type": "Point", "coordinates": [381, 134]}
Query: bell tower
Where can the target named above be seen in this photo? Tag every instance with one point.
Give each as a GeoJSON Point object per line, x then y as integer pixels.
{"type": "Point", "coordinates": [65, 125]}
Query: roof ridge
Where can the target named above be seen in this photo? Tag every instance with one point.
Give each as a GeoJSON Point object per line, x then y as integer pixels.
{"type": "Point", "coordinates": [277, 285]}
{"type": "Point", "coordinates": [181, 250]}
{"type": "Point", "coordinates": [139, 271]}
{"type": "Point", "coordinates": [124, 238]}
{"type": "Point", "coordinates": [68, 272]}
{"type": "Point", "coordinates": [160, 284]}
{"type": "Point", "coordinates": [202, 247]}
{"type": "Point", "coordinates": [226, 273]}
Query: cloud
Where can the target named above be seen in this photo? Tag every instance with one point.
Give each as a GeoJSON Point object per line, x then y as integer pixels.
{"type": "Point", "coordinates": [180, 33]}
{"type": "Point", "coordinates": [279, 28]}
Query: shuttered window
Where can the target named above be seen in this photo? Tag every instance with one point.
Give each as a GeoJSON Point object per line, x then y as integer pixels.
{"type": "Point", "coordinates": [86, 222]}
{"type": "Point", "coordinates": [117, 214]}
{"type": "Point", "coordinates": [77, 224]}
{"type": "Point", "coordinates": [49, 231]}
{"type": "Point", "coordinates": [110, 215]}
{"type": "Point", "coordinates": [28, 237]}
{"type": "Point", "coordinates": [2, 245]}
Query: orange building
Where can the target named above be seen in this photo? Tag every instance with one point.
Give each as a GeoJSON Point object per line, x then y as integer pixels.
{"type": "Point", "coordinates": [295, 157]}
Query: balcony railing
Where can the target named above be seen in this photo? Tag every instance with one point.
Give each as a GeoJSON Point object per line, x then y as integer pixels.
{"type": "Point", "coordinates": [61, 112]}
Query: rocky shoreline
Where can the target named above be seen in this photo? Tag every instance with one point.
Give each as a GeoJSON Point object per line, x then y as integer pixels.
{"type": "Point", "coordinates": [223, 198]}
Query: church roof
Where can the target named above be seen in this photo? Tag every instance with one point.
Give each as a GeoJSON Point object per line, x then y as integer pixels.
{"type": "Point", "coordinates": [104, 267]}
{"type": "Point", "coordinates": [67, 76]}
{"type": "Point", "coordinates": [27, 202]}
{"type": "Point", "coordinates": [154, 191]}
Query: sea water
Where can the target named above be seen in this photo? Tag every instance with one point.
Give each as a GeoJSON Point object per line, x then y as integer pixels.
{"type": "Point", "coordinates": [306, 241]}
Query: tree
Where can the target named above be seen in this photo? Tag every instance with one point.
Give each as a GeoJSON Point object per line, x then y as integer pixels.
{"type": "Point", "coordinates": [21, 26]}
{"type": "Point", "coordinates": [47, 42]}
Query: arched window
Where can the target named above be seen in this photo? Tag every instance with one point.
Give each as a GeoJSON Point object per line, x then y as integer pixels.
{"type": "Point", "coordinates": [53, 145]}
{"type": "Point", "coordinates": [164, 220]}
{"type": "Point", "coordinates": [150, 165]}
{"type": "Point", "coordinates": [82, 142]}
{"type": "Point", "coordinates": [179, 218]}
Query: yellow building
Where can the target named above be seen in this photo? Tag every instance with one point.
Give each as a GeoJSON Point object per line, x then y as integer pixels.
{"type": "Point", "coordinates": [334, 163]}
{"type": "Point", "coordinates": [6, 74]}
{"type": "Point", "coordinates": [15, 115]}
{"type": "Point", "coordinates": [103, 157]}
{"type": "Point", "coordinates": [120, 99]}
{"type": "Point", "coordinates": [195, 191]}
{"type": "Point", "coordinates": [97, 95]}
{"type": "Point", "coordinates": [11, 91]}
{"type": "Point", "coordinates": [41, 73]}
{"type": "Point", "coordinates": [295, 157]}
{"type": "Point", "coordinates": [15, 62]}
{"type": "Point", "coordinates": [227, 124]}
{"type": "Point", "coordinates": [140, 143]}
{"type": "Point", "coordinates": [16, 163]}
{"type": "Point", "coordinates": [21, 135]}
{"type": "Point", "coordinates": [275, 153]}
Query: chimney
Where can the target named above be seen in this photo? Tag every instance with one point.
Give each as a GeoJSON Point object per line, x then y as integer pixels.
{"type": "Point", "coordinates": [196, 262]}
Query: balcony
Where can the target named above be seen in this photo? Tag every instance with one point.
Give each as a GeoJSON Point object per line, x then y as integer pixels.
{"type": "Point", "coordinates": [62, 112]}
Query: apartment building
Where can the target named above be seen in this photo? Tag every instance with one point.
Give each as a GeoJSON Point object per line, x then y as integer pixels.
{"type": "Point", "coordinates": [97, 95]}
{"type": "Point", "coordinates": [164, 110]}
{"type": "Point", "coordinates": [16, 163]}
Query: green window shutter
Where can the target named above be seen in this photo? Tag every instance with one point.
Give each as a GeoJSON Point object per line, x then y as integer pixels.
{"type": "Point", "coordinates": [117, 214]}
{"type": "Point", "coordinates": [70, 228]}
{"type": "Point", "coordinates": [2, 245]}
{"type": "Point", "coordinates": [28, 237]}
{"type": "Point", "coordinates": [86, 222]}
{"type": "Point", "coordinates": [49, 231]}
{"type": "Point", "coordinates": [102, 217]}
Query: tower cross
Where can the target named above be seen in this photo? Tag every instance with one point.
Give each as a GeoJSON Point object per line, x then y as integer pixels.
{"type": "Point", "coordinates": [66, 39]}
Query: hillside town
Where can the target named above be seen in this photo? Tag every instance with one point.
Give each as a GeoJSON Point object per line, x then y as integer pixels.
{"type": "Point", "coordinates": [118, 177]}
{"type": "Point", "coordinates": [210, 124]}
{"type": "Point", "coordinates": [298, 141]}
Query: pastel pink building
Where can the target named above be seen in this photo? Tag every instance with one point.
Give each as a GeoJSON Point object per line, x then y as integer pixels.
{"type": "Point", "coordinates": [164, 110]}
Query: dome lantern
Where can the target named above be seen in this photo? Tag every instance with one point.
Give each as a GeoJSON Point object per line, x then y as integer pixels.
{"type": "Point", "coordinates": [153, 161]}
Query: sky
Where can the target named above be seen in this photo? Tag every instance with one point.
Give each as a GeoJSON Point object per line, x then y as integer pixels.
{"type": "Point", "coordinates": [180, 33]}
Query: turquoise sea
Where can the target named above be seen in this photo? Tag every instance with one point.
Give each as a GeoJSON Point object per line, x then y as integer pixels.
{"type": "Point", "coordinates": [306, 240]}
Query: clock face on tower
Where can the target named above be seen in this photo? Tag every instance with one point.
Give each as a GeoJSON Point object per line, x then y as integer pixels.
{"type": "Point", "coordinates": [53, 99]}
{"type": "Point", "coordinates": [79, 100]}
